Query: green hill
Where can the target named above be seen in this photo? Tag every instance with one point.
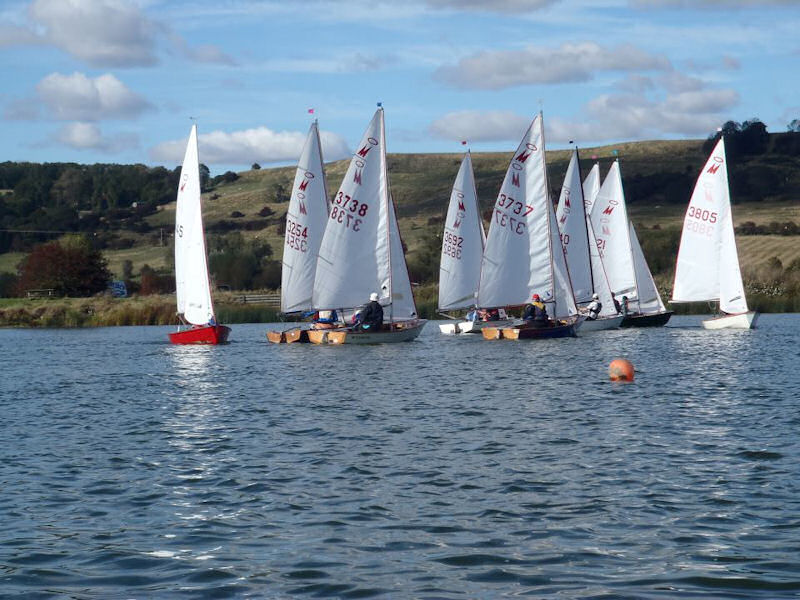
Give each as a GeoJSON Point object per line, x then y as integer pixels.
{"type": "Point", "coordinates": [137, 227]}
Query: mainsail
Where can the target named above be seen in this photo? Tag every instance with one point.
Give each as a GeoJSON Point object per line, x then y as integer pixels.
{"type": "Point", "coordinates": [361, 251]}
{"type": "Point", "coordinates": [625, 264]}
{"type": "Point", "coordinates": [591, 187]}
{"type": "Point", "coordinates": [586, 269]}
{"type": "Point", "coordinates": [523, 253]}
{"type": "Point", "coordinates": [192, 287]}
{"type": "Point", "coordinates": [574, 229]}
{"type": "Point", "coordinates": [462, 244]}
{"type": "Point", "coordinates": [305, 225]}
{"type": "Point", "coordinates": [708, 265]}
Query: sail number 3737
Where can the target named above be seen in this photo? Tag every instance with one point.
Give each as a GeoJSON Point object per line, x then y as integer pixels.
{"type": "Point", "coordinates": [512, 213]}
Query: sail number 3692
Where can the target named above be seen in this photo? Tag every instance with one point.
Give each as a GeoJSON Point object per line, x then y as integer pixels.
{"type": "Point", "coordinates": [452, 245]}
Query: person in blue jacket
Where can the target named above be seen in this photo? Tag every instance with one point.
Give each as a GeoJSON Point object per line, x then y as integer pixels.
{"type": "Point", "coordinates": [371, 317]}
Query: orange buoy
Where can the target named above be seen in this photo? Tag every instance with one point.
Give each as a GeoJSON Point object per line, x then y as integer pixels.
{"type": "Point", "coordinates": [620, 370]}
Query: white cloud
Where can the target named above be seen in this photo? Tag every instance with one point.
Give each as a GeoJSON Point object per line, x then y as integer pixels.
{"type": "Point", "coordinates": [260, 145]}
{"type": "Point", "coordinates": [606, 118]}
{"type": "Point", "coordinates": [78, 97]}
{"type": "Point", "coordinates": [103, 33]}
{"type": "Point", "coordinates": [676, 82]}
{"type": "Point", "coordinates": [631, 117]}
{"type": "Point", "coordinates": [498, 69]}
{"type": "Point", "coordinates": [87, 136]}
{"type": "Point", "coordinates": [480, 126]}
{"type": "Point", "coordinates": [350, 62]}
{"type": "Point", "coordinates": [204, 53]}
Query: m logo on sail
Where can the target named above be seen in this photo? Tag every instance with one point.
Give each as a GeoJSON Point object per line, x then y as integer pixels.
{"type": "Point", "coordinates": [515, 179]}
{"type": "Point", "coordinates": [713, 169]}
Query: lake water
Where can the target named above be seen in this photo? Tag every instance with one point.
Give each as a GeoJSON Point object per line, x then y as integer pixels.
{"type": "Point", "coordinates": [448, 467]}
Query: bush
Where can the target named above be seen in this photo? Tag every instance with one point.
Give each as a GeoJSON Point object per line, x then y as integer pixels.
{"type": "Point", "coordinates": [71, 267]}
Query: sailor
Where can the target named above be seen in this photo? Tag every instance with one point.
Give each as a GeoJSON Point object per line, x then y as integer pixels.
{"type": "Point", "coordinates": [371, 317]}
{"type": "Point", "coordinates": [536, 312]}
{"type": "Point", "coordinates": [617, 305]}
{"type": "Point", "coordinates": [593, 309]}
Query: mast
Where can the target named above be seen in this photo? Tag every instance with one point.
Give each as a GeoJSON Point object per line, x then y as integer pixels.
{"type": "Point", "coordinates": [628, 237]}
{"type": "Point", "coordinates": [585, 219]}
{"type": "Point", "coordinates": [549, 224]}
{"type": "Point", "coordinates": [389, 206]}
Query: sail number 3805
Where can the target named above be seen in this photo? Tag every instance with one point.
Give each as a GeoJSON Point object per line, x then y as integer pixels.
{"type": "Point", "coordinates": [701, 221]}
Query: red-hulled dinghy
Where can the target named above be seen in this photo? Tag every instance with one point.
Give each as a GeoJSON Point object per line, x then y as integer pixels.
{"type": "Point", "coordinates": [192, 286]}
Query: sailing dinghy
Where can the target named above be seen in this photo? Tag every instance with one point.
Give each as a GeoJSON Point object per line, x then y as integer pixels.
{"type": "Point", "coordinates": [523, 254]}
{"type": "Point", "coordinates": [707, 268]}
{"type": "Point", "coordinates": [361, 251]}
{"type": "Point", "coordinates": [192, 285]}
{"type": "Point", "coordinates": [628, 274]}
{"type": "Point", "coordinates": [462, 250]}
{"type": "Point", "coordinates": [586, 270]}
{"type": "Point", "coordinates": [305, 224]}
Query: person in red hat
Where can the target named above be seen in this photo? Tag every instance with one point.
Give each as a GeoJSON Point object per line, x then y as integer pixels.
{"type": "Point", "coordinates": [536, 312]}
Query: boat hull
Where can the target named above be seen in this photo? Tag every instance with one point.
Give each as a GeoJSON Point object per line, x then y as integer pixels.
{"type": "Point", "coordinates": [601, 324]}
{"type": "Point", "coordinates": [653, 320]}
{"type": "Point", "coordinates": [211, 335]}
{"type": "Point", "coordinates": [404, 331]}
{"type": "Point", "coordinates": [290, 336]}
{"type": "Point", "coordinates": [740, 321]}
{"type": "Point", "coordinates": [471, 326]}
{"type": "Point", "coordinates": [527, 332]}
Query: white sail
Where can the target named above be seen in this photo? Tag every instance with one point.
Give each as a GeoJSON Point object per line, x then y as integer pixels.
{"type": "Point", "coordinates": [462, 244]}
{"type": "Point", "coordinates": [572, 223]}
{"type": "Point", "coordinates": [708, 265]}
{"type": "Point", "coordinates": [361, 251]}
{"type": "Point", "coordinates": [523, 253]}
{"type": "Point", "coordinates": [610, 220]}
{"type": "Point", "coordinates": [591, 187]}
{"type": "Point", "coordinates": [192, 287]}
{"type": "Point", "coordinates": [305, 225]}
{"type": "Point", "coordinates": [647, 297]}
{"type": "Point", "coordinates": [586, 268]}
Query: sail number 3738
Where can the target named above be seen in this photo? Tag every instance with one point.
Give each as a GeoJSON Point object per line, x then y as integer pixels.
{"type": "Point", "coordinates": [346, 211]}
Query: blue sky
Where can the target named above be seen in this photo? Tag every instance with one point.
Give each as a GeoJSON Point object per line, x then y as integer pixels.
{"type": "Point", "coordinates": [117, 81]}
